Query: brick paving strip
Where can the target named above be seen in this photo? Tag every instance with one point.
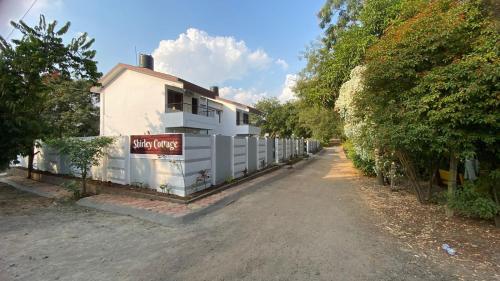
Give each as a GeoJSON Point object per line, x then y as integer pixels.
{"type": "Point", "coordinates": [158, 211]}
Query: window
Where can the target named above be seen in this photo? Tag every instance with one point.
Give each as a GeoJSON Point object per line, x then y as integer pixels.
{"type": "Point", "coordinates": [194, 107]}
{"type": "Point", "coordinates": [174, 101]}
{"type": "Point", "coordinates": [245, 118]}
{"type": "Point", "coordinates": [219, 114]}
{"type": "Point", "coordinates": [237, 117]}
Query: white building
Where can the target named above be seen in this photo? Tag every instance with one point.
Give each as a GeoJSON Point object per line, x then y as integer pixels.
{"type": "Point", "coordinates": [136, 100]}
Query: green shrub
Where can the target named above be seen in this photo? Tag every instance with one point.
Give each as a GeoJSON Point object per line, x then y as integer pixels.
{"type": "Point", "coordinates": [439, 198]}
{"type": "Point", "coordinates": [367, 166]}
{"type": "Point", "coordinates": [74, 187]}
{"type": "Point", "coordinates": [469, 202]}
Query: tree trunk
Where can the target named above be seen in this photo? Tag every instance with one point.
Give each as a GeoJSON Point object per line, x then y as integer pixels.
{"type": "Point", "coordinates": [380, 178]}
{"type": "Point", "coordinates": [452, 180]}
{"type": "Point", "coordinates": [392, 175]}
{"type": "Point", "coordinates": [432, 177]}
{"type": "Point", "coordinates": [31, 159]}
{"type": "Point", "coordinates": [411, 174]}
{"type": "Point", "coordinates": [84, 183]}
{"type": "Point", "coordinates": [378, 168]}
{"type": "Point", "coordinates": [495, 195]}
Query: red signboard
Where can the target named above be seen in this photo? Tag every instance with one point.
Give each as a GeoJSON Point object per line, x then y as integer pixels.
{"type": "Point", "coordinates": [165, 144]}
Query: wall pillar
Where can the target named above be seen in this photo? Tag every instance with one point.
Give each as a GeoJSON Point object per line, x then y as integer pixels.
{"type": "Point", "coordinates": [231, 158]}
{"type": "Point", "coordinates": [214, 159]}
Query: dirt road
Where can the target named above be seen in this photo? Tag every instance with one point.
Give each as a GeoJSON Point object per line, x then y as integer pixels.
{"type": "Point", "coordinates": [309, 225]}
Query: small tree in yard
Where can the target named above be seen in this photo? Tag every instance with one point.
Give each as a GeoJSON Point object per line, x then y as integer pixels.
{"type": "Point", "coordinates": [83, 153]}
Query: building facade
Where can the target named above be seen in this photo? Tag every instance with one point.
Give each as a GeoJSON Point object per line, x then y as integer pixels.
{"type": "Point", "coordinates": [136, 100]}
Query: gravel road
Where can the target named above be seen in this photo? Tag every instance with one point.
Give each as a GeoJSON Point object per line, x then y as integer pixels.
{"type": "Point", "coordinates": [309, 225]}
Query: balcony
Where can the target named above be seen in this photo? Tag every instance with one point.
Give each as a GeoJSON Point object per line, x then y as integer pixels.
{"type": "Point", "coordinates": [246, 123]}
{"type": "Point", "coordinates": [189, 116]}
{"type": "Point", "coordinates": [247, 129]}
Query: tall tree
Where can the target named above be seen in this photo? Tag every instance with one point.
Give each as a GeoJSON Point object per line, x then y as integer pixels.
{"type": "Point", "coordinates": [337, 16]}
{"type": "Point", "coordinates": [351, 27]}
{"type": "Point", "coordinates": [280, 119]}
{"type": "Point", "coordinates": [26, 65]}
{"type": "Point", "coordinates": [322, 123]}
{"type": "Point", "coordinates": [431, 84]}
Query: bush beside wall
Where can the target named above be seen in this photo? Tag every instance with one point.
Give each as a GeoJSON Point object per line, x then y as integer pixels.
{"type": "Point", "coordinates": [365, 165]}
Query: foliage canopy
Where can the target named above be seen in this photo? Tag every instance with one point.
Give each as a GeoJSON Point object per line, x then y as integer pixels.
{"type": "Point", "coordinates": [29, 68]}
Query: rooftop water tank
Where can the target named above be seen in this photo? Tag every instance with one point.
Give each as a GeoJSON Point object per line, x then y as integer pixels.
{"type": "Point", "coordinates": [215, 90]}
{"type": "Point", "coordinates": [146, 61]}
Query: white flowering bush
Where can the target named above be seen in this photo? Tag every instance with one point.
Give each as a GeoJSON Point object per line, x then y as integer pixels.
{"type": "Point", "coordinates": [355, 129]}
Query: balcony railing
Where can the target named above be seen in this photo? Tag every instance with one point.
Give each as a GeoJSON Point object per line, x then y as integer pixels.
{"type": "Point", "coordinates": [187, 107]}
{"type": "Point", "coordinates": [250, 120]}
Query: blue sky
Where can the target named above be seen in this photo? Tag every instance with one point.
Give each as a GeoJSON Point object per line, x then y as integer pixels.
{"type": "Point", "coordinates": [251, 49]}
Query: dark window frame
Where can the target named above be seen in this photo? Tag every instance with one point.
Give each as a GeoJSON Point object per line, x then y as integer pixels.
{"type": "Point", "coordinates": [194, 105]}
{"type": "Point", "coordinates": [174, 98]}
{"type": "Point", "coordinates": [246, 118]}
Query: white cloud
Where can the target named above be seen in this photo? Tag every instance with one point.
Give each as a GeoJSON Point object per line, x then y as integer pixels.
{"type": "Point", "coordinates": [252, 96]}
{"type": "Point", "coordinates": [282, 63]}
{"type": "Point", "coordinates": [208, 60]}
{"type": "Point", "coordinates": [287, 93]}
{"type": "Point", "coordinates": [248, 97]}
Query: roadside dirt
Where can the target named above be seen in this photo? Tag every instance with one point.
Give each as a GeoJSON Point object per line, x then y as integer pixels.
{"type": "Point", "coordinates": [424, 228]}
{"type": "Point", "coordinates": [13, 201]}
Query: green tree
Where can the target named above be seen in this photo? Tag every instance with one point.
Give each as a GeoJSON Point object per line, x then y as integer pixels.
{"type": "Point", "coordinates": [16, 124]}
{"type": "Point", "coordinates": [266, 121]}
{"type": "Point", "coordinates": [83, 154]}
{"type": "Point", "coordinates": [346, 13]}
{"type": "Point", "coordinates": [280, 119]}
{"type": "Point", "coordinates": [72, 109]}
{"type": "Point", "coordinates": [26, 65]}
{"type": "Point", "coordinates": [322, 123]}
{"type": "Point", "coordinates": [359, 24]}
{"type": "Point", "coordinates": [431, 85]}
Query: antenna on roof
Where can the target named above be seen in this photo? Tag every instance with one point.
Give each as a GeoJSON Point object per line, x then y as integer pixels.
{"type": "Point", "coordinates": [135, 49]}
